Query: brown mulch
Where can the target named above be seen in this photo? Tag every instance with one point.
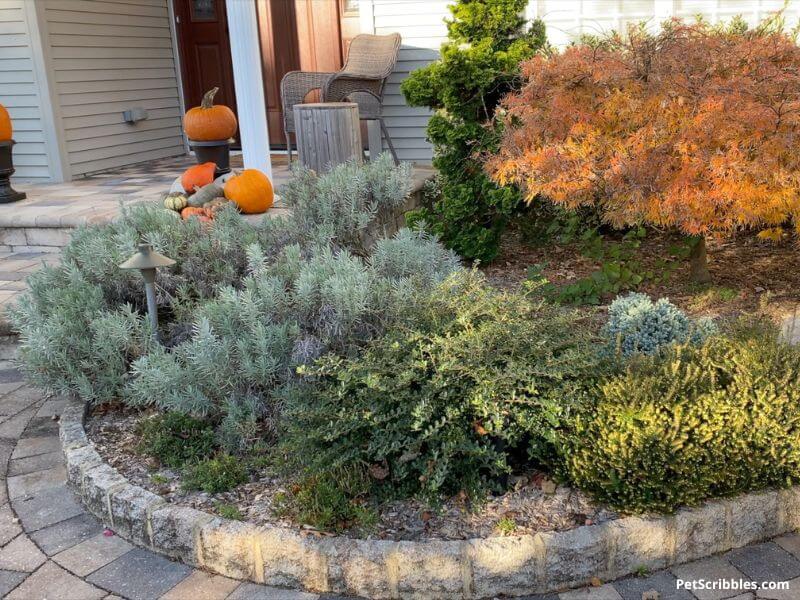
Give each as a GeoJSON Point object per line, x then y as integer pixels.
{"type": "Point", "coordinates": [534, 504]}
{"type": "Point", "coordinates": [748, 275]}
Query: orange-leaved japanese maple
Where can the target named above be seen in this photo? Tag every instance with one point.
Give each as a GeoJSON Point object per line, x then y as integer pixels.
{"type": "Point", "coordinates": [695, 128]}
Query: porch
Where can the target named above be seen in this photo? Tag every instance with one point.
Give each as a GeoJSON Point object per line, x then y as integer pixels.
{"type": "Point", "coordinates": [44, 220]}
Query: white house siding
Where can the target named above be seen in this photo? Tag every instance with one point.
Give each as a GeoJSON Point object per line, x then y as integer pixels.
{"type": "Point", "coordinates": [104, 57]}
{"type": "Point", "coordinates": [421, 24]}
{"type": "Point", "coordinates": [20, 92]}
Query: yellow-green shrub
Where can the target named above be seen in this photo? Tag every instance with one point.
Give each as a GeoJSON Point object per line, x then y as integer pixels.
{"type": "Point", "coordinates": [699, 421]}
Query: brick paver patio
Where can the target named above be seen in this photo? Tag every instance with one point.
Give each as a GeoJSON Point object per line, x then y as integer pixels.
{"type": "Point", "coordinates": [51, 548]}
{"type": "Point", "coordinates": [98, 197]}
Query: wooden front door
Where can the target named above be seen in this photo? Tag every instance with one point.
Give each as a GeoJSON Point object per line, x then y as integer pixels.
{"type": "Point", "coordinates": [295, 35]}
{"type": "Point", "coordinates": [205, 51]}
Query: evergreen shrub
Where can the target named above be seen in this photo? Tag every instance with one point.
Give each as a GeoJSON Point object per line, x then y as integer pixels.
{"type": "Point", "coordinates": [487, 41]}
{"type": "Point", "coordinates": [697, 421]}
{"type": "Point", "coordinates": [636, 324]}
{"type": "Point", "coordinates": [244, 305]}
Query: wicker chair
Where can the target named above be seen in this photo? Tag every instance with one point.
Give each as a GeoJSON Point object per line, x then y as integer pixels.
{"type": "Point", "coordinates": [370, 61]}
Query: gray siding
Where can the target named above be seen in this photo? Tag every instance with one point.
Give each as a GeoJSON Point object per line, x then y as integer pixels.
{"type": "Point", "coordinates": [421, 25]}
{"type": "Point", "coordinates": [19, 93]}
{"type": "Point", "coordinates": [106, 56]}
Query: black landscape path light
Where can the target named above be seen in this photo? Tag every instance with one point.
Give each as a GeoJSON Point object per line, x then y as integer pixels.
{"type": "Point", "coordinates": [147, 261]}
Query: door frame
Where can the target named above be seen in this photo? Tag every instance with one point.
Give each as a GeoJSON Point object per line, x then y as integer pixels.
{"type": "Point", "coordinates": [176, 53]}
{"type": "Point", "coordinates": [180, 65]}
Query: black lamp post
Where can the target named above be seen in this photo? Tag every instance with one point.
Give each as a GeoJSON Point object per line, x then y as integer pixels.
{"type": "Point", "coordinates": [147, 261]}
{"type": "Point", "coordinates": [7, 193]}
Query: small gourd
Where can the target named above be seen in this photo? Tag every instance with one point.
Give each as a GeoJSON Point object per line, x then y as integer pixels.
{"type": "Point", "coordinates": [193, 211]}
{"type": "Point", "coordinates": [205, 194]}
{"type": "Point", "coordinates": [176, 202]}
{"type": "Point", "coordinates": [215, 205]}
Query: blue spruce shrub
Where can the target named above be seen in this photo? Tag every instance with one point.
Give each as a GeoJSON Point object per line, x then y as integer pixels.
{"type": "Point", "coordinates": [636, 324]}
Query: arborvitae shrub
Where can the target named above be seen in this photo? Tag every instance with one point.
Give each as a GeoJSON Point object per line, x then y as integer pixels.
{"type": "Point", "coordinates": [696, 422]}
{"type": "Point", "coordinates": [443, 404]}
{"type": "Point", "coordinates": [487, 40]}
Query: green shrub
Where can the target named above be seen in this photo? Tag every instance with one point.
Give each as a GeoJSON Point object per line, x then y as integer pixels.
{"type": "Point", "coordinates": [636, 324]}
{"type": "Point", "coordinates": [176, 439]}
{"type": "Point", "coordinates": [478, 65]}
{"type": "Point", "coordinates": [696, 422]}
{"type": "Point", "coordinates": [447, 403]}
{"type": "Point", "coordinates": [215, 475]}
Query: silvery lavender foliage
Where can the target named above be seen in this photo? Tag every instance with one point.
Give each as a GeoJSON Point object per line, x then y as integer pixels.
{"type": "Point", "coordinates": [243, 307]}
{"type": "Point", "coordinates": [336, 208]}
{"type": "Point", "coordinates": [636, 324]}
{"type": "Point", "coordinates": [286, 313]}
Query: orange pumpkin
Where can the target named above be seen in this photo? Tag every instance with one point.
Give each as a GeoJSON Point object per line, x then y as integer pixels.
{"type": "Point", "coordinates": [209, 122]}
{"type": "Point", "coordinates": [5, 124]}
{"type": "Point", "coordinates": [251, 190]}
{"type": "Point", "coordinates": [198, 176]}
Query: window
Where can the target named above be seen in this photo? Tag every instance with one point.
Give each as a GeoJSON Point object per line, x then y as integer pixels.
{"type": "Point", "coordinates": [203, 10]}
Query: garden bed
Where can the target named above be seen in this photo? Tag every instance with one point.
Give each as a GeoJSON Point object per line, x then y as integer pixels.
{"type": "Point", "coordinates": [474, 568]}
{"type": "Point", "coordinates": [748, 274]}
{"type": "Point", "coordinates": [534, 504]}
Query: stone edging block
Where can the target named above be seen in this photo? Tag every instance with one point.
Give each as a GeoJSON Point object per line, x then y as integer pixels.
{"type": "Point", "coordinates": [381, 569]}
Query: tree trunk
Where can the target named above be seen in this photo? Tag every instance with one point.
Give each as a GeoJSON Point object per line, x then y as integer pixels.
{"type": "Point", "coordinates": [699, 261]}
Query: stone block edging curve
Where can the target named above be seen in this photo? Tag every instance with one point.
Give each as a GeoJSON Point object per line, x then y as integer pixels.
{"type": "Point", "coordinates": [381, 569]}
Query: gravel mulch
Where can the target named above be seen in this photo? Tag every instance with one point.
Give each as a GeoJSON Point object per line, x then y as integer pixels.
{"type": "Point", "coordinates": [535, 503]}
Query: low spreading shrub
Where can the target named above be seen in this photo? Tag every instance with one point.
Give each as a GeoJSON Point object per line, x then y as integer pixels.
{"type": "Point", "coordinates": [215, 475]}
{"type": "Point", "coordinates": [636, 324]}
{"type": "Point", "coordinates": [450, 402]}
{"type": "Point", "coordinates": [176, 439]}
{"type": "Point", "coordinates": [695, 422]}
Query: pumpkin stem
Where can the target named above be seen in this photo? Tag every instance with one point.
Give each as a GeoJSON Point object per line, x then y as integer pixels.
{"type": "Point", "coordinates": [208, 98]}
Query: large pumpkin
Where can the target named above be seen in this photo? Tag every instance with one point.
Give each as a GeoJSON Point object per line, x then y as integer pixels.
{"type": "Point", "coordinates": [251, 190]}
{"type": "Point", "coordinates": [209, 122]}
{"type": "Point", "coordinates": [198, 176]}
{"type": "Point", "coordinates": [5, 125]}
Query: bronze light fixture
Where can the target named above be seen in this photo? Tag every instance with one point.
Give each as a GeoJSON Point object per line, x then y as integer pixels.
{"type": "Point", "coordinates": [147, 260]}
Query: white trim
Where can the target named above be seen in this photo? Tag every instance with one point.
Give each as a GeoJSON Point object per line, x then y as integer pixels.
{"type": "Point", "coordinates": [249, 81]}
{"type": "Point", "coordinates": [366, 15]}
{"type": "Point", "coordinates": [51, 116]}
{"type": "Point", "coordinates": [176, 53]}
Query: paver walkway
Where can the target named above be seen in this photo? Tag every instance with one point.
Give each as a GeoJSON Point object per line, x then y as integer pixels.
{"type": "Point", "coordinates": [51, 548]}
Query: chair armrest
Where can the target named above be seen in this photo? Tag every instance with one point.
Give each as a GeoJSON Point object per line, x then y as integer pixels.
{"type": "Point", "coordinates": [341, 85]}
{"type": "Point", "coordinates": [296, 85]}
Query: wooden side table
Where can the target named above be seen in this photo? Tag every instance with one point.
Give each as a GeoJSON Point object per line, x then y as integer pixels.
{"type": "Point", "coordinates": [328, 134]}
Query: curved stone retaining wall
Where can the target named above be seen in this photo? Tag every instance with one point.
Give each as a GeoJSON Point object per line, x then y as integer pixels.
{"type": "Point", "coordinates": [478, 568]}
